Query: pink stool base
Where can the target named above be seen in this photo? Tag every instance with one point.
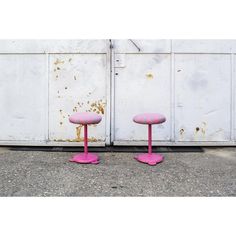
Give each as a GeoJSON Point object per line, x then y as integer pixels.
{"type": "Point", "coordinates": [150, 159]}
{"type": "Point", "coordinates": [85, 158]}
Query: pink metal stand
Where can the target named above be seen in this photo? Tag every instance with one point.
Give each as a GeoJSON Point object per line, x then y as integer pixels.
{"type": "Point", "coordinates": [150, 158]}
{"type": "Point", "coordinates": [85, 158]}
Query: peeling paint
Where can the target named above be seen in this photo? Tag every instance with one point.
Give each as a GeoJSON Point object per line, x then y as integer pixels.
{"type": "Point", "coordinates": [78, 133]}
{"type": "Point", "coordinates": [81, 139]}
{"type": "Point", "coordinates": [98, 107]}
{"type": "Point", "coordinates": [91, 139]}
{"type": "Point", "coordinates": [181, 132]}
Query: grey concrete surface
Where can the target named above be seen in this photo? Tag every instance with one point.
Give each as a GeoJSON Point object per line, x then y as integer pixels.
{"type": "Point", "coordinates": [33, 173]}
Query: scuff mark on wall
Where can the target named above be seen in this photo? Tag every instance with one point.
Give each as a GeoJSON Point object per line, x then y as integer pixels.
{"type": "Point", "coordinates": [58, 61]}
{"type": "Point", "coordinates": [149, 76]}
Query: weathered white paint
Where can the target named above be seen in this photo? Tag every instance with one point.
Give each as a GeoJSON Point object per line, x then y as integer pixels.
{"type": "Point", "coordinates": [145, 46]}
{"type": "Point", "coordinates": [192, 82]}
{"type": "Point", "coordinates": [43, 82]}
{"type": "Point", "coordinates": [77, 84]}
{"type": "Point", "coordinates": [22, 107]}
{"type": "Point", "coordinates": [141, 85]}
{"type": "Point", "coordinates": [202, 97]}
{"type": "Point", "coordinates": [198, 99]}
{"type": "Point", "coordinates": [53, 46]}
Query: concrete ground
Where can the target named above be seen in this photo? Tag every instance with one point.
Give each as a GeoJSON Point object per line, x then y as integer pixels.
{"type": "Point", "coordinates": [34, 173]}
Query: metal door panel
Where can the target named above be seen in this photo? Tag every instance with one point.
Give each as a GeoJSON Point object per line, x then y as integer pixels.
{"type": "Point", "coordinates": [77, 84]}
{"type": "Point", "coordinates": [142, 84]}
{"type": "Point", "coordinates": [202, 97]}
{"type": "Point", "coordinates": [22, 95]}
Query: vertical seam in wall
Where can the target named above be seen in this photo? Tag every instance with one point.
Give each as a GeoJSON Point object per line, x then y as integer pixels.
{"type": "Point", "coordinates": [108, 96]}
{"type": "Point", "coordinates": [172, 92]}
{"type": "Point", "coordinates": [112, 95]}
{"type": "Point", "coordinates": [48, 84]}
{"type": "Point", "coordinates": [232, 85]}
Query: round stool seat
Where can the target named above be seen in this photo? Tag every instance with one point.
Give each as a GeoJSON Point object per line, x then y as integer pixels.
{"type": "Point", "coordinates": [149, 118]}
{"type": "Point", "coordinates": [85, 118]}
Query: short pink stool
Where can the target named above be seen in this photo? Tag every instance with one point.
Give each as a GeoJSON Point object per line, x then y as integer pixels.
{"type": "Point", "coordinates": [149, 119]}
{"type": "Point", "coordinates": [85, 119]}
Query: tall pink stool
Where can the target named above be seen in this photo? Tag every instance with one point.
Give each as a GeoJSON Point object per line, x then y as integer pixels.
{"type": "Point", "coordinates": [149, 119]}
{"type": "Point", "coordinates": [85, 119]}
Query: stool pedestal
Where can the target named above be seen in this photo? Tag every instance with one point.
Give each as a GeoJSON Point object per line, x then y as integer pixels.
{"type": "Point", "coordinates": [149, 119]}
{"type": "Point", "coordinates": [149, 158]}
{"type": "Point", "coordinates": [85, 158]}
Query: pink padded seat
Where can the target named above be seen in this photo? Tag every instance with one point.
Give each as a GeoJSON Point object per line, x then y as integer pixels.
{"type": "Point", "coordinates": [149, 118]}
{"type": "Point", "coordinates": [85, 118]}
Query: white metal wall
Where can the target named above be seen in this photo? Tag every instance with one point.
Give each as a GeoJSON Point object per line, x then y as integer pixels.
{"type": "Point", "coordinates": [192, 82]}
{"type": "Point", "coordinates": [42, 82]}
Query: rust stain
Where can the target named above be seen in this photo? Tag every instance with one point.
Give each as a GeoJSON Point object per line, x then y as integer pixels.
{"type": "Point", "coordinates": [149, 76]}
{"type": "Point", "coordinates": [92, 139]}
{"type": "Point", "coordinates": [81, 139]}
{"type": "Point", "coordinates": [78, 133]}
{"type": "Point", "coordinates": [75, 109]}
{"type": "Point", "coordinates": [58, 61]}
{"type": "Point", "coordinates": [98, 107]}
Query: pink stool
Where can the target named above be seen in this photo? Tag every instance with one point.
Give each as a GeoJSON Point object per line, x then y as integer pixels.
{"type": "Point", "coordinates": [150, 119]}
{"type": "Point", "coordinates": [85, 119]}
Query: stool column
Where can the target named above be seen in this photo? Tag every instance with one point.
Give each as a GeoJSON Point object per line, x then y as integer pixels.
{"type": "Point", "coordinates": [86, 139]}
{"type": "Point", "coordinates": [149, 139]}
